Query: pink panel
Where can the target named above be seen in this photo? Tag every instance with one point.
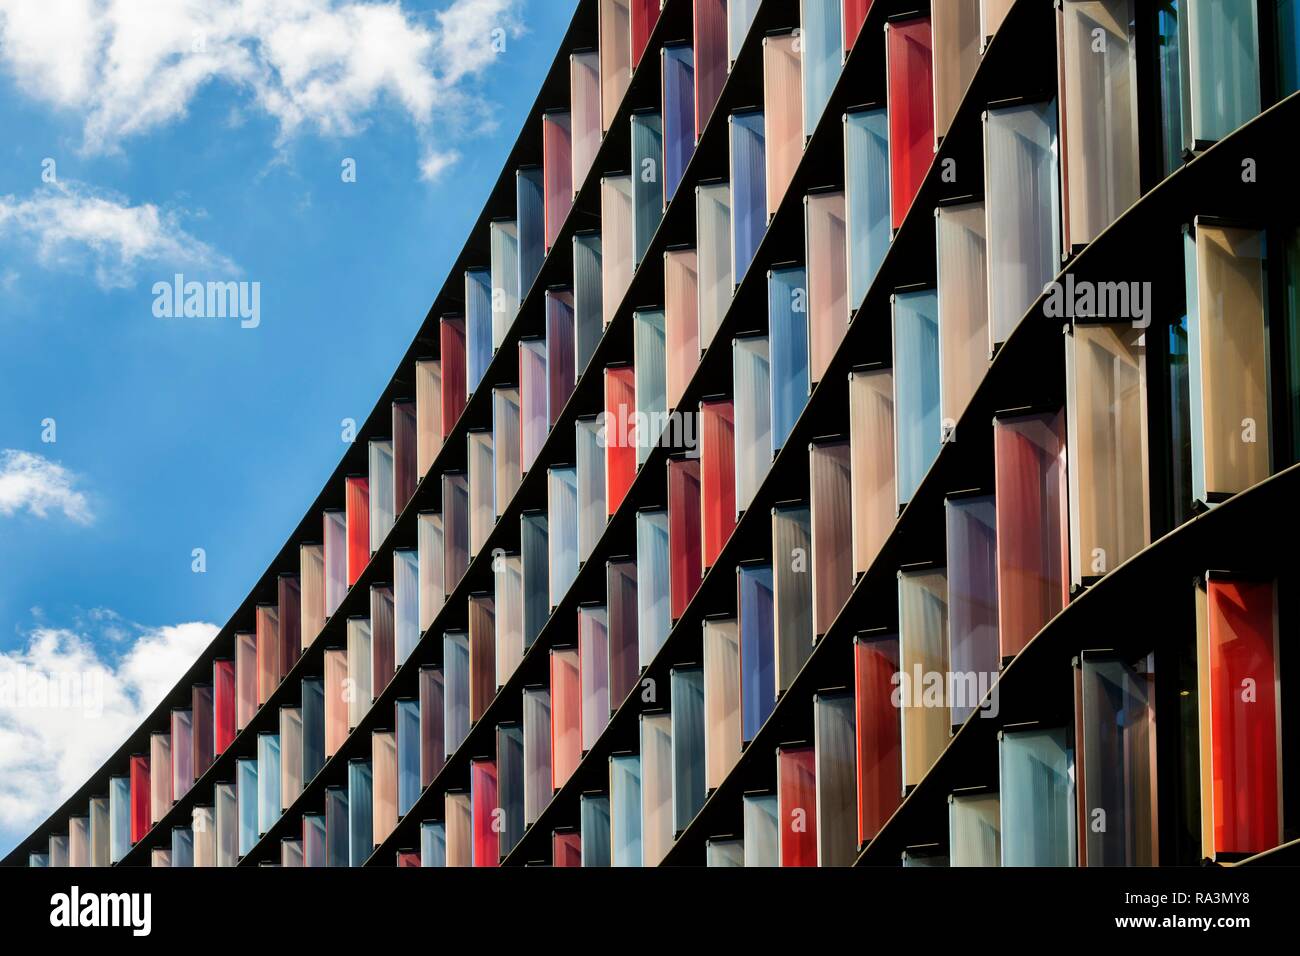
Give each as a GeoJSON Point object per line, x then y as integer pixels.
{"type": "Point", "coordinates": [681, 322]}
{"type": "Point", "coordinates": [451, 333]}
{"type": "Point", "coordinates": [710, 57]}
{"type": "Point", "coordinates": [782, 114]}
{"type": "Point", "coordinates": [566, 714]}
{"type": "Point", "coordinates": [245, 678]}
{"type": "Point", "coordinates": [483, 806]}
{"type": "Point", "coordinates": [717, 476]}
{"type": "Point", "coordinates": [557, 172]}
{"type": "Point", "coordinates": [268, 651]}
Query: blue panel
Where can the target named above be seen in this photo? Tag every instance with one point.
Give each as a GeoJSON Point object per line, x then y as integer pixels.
{"type": "Point", "coordinates": [647, 181]}
{"type": "Point", "coordinates": [787, 322]}
{"type": "Point", "coordinates": [588, 312]}
{"type": "Point", "coordinates": [1036, 786]}
{"type": "Point", "coordinates": [531, 216]}
{"type": "Point", "coordinates": [268, 781]}
{"type": "Point", "coordinates": [757, 656]}
{"type": "Point", "coordinates": [650, 380]}
{"type": "Point", "coordinates": [478, 326]}
{"type": "Point", "coordinates": [822, 53]}
{"type": "Point", "coordinates": [119, 817]}
{"type": "Point", "coordinates": [653, 610]}
{"type": "Point", "coordinates": [866, 197]}
{"type": "Point", "coordinates": [916, 387]}
{"type": "Point", "coordinates": [406, 603]}
{"type": "Point", "coordinates": [455, 668]}
{"type": "Point", "coordinates": [313, 727]}
{"type": "Point", "coordinates": [593, 818]}
{"type": "Point", "coordinates": [406, 717]}
{"type": "Point", "coordinates": [361, 812]}
{"type": "Point", "coordinates": [625, 810]}
{"type": "Point", "coordinates": [748, 190]}
{"type": "Point", "coordinates": [562, 525]}
{"type": "Point", "coordinates": [678, 113]}
{"type": "Point", "coordinates": [533, 549]}
{"type": "Point", "coordinates": [433, 843]}
{"type": "Point", "coordinates": [182, 846]}
{"type": "Point", "coordinates": [740, 17]}
{"type": "Point", "coordinates": [246, 793]}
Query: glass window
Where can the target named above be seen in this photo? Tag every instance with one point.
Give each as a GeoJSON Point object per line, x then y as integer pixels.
{"type": "Point", "coordinates": [1036, 786]}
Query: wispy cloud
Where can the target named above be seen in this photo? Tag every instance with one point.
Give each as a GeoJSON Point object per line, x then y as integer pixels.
{"type": "Point", "coordinates": [127, 68]}
{"type": "Point", "coordinates": [70, 696]}
{"type": "Point", "coordinates": [32, 483]}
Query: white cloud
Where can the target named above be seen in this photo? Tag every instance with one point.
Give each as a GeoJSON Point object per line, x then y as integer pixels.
{"type": "Point", "coordinates": [70, 225]}
{"type": "Point", "coordinates": [128, 66]}
{"type": "Point", "coordinates": [29, 481]}
{"type": "Point", "coordinates": [66, 705]}
{"type": "Point", "coordinates": [434, 164]}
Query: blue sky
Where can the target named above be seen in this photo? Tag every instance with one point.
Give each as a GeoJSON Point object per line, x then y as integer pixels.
{"type": "Point", "coordinates": [210, 144]}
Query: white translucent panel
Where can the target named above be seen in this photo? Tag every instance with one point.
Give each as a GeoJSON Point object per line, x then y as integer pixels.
{"type": "Point", "coordinates": [336, 560]}
{"type": "Point", "coordinates": [974, 830]}
{"type": "Point", "coordinates": [835, 746]}
{"type": "Point", "coordinates": [537, 752]}
{"type": "Point", "coordinates": [652, 597]}
{"type": "Point", "coordinates": [290, 756]}
{"type": "Point", "coordinates": [866, 198]}
{"type": "Point", "coordinates": [482, 489]}
{"type": "Point", "coordinates": [509, 590]}
{"type": "Point", "coordinates": [955, 32]}
{"type": "Point", "coordinates": [792, 603]}
{"type": "Point", "coordinates": [625, 810]}
{"type": "Point", "coordinates": [506, 415]}
{"type": "Point", "coordinates": [649, 371]}
{"type": "Point", "coordinates": [455, 668]}
{"type": "Point", "coordinates": [751, 371]}
{"type": "Point", "coordinates": [656, 787]}
{"type": "Point", "coordinates": [532, 401]}
{"type": "Point", "coordinates": [830, 481]}
{"type": "Point", "coordinates": [359, 664]}
{"type": "Point", "coordinates": [430, 542]}
{"type": "Point", "coordinates": [459, 830]}
{"type": "Point", "coordinates": [584, 112]}
{"type": "Point", "coordinates": [428, 414]}
{"type": "Point", "coordinates": [160, 777]}
{"type": "Point", "coordinates": [562, 539]}
{"type": "Point", "coordinates": [615, 242]}
{"type": "Point", "coordinates": [762, 832]}
{"type": "Point", "coordinates": [1219, 46]}
{"type": "Point", "coordinates": [590, 457]}
{"type": "Point", "coordinates": [1036, 787]}
{"type": "Point", "coordinates": [727, 853]}
{"type": "Point", "coordinates": [381, 492]}
{"type": "Point", "coordinates": [1022, 210]}
{"type": "Point", "coordinates": [268, 781]}
{"type": "Point", "coordinates": [722, 741]}
{"type": "Point", "coordinates": [503, 235]}
{"type": "Point", "coordinates": [826, 255]}
{"type": "Point", "coordinates": [406, 604]}
{"type": "Point", "coordinates": [963, 308]}
{"type": "Point", "coordinates": [923, 653]}
{"type": "Point", "coordinates": [593, 652]}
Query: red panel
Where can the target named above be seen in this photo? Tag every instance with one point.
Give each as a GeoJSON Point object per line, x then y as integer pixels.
{"type": "Point", "coordinates": [566, 714]}
{"type": "Point", "coordinates": [290, 590]}
{"type": "Point", "coordinates": [201, 740]}
{"type": "Point", "coordinates": [879, 733]}
{"type": "Point", "coordinates": [717, 476]}
{"type": "Point", "coordinates": [451, 334]}
{"type": "Point", "coordinates": [483, 806]}
{"type": "Point", "coordinates": [684, 564]}
{"type": "Point", "coordinates": [358, 519]}
{"type": "Point", "coordinates": [408, 858]}
{"type": "Point", "coordinates": [223, 704]}
{"type": "Point", "coordinates": [855, 13]}
{"type": "Point", "coordinates": [557, 172]}
{"type": "Point", "coordinates": [1030, 497]}
{"type": "Point", "coordinates": [796, 792]}
{"type": "Point", "coordinates": [620, 440]}
{"type": "Point", "coordinates": [911, 111]}
{"type": "Point", "coordinates": [405, 469]}
{"type": "Point", "coordinates": [645, 14]}
{"type": "Point", "coordinates": [1245, 759]}
{"type": "Point", "coordinates": [711, 58]}
{"type": "Point", "coordinates": [566, 849]}
{"type": "Point", "coordinates": [140, 798]}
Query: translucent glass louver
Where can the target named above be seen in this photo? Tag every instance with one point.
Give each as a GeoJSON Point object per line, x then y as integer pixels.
{"type": "Point", "coordinates": [510, 787]}
{"type": "Point", "coordinates": [1022, 210]}
{"type": "Point", "coordinates": [1106, 412]}
{"type": "Point", "coordinates": [361, 811]}
{"type": "Point", "coordinates": [478, 332]}
{"type": "Point", "coordinates": [433, 712]}
{"type": "Point", "coordinates": [482, 654]}
{"type": "Point", "coordinates": [911, 111]}
{"type": "Point", "coordinates": [830, 480]}
{"type": "Point", "coordinates": [406, 604]}
{"type": "Point", "coordinates": [202, 737]}
{"type": "Point", "coordinates": [792, 589]}
{"type": "Point", "coordinates": [99, 832]}
{"type": "Point", "coordinates": [405, 476]}
{"type": "Point", "coordinates": [722, 711]}
{"type": "Point", "coordinates": [406, 720]}
{"type": "Point", "coordinates": [713, 257]}
{"type": "Point", "coordinates": [455, 665]}
{"type": "Point", "coordinates": [755, 624]}
{"type": "Point", "coordinates": [826, 255]}
{"type": "Point", "coordinates": [160, 777]}
{"type": "Point", "coordinates": [382, 654]}
{"type": "Point", "coordinates": [530, 206]}
{"type": "Point", "coordinates": [916, 388]}
{"type": "Point", "coordinates": [974, 829]}
{"type": "Point", "coordinates": [647, 180]}
{"type": "Point", "coordinates": [58, 851]}
{"type": "Point", "coordinates": [654, 616]}
{"type": "Point", "coordinates": [588, 298]}
{"type": "Point", "coordinates": [788, 324]}
{"type": "Point", "coordinates": [119, 817]}
{"type": "Point", "coordinates": [453, 339]}
{"type": "Point", "coordinates": [684, 561]}
{"type": "Point", "coordinates": [360, 669]}
{"type": "Point", "coordinates": [783, 122]}
{"type": "Point", "coordinates": [955, 28]}
{"type": "Point", "coordinates": [428, 418]}
{"type": "Point", "coordinates": [138, 788]}
{"type": "Point", "coordinates": [459, 829]}
{"type": "Point", "coordinates": [534, 545]}
{"type": "Point", "coordinates": [311, 563]}
{"type": "Point", "coordinates": [992, 13]}
{"type": "Point", "coordinates": [533, 424]}
{"type": "Point", "coordinates": [821, 56]}
{"type": "Point", "coordinates": [687, 745]}
{"type": "Point", "coordinates": [290, 756]}
{"type": "Point", "coordinates": [313, 727]}
{"type": "Point", "coordinates": [1030, 490]}
{"type": "Point", "coordinates": [1227, 355]}
{"type": "Point", "coordinates": [433, 843]}
{"type": "Point", "coordinates": [246, 794]}
{"type": "Point", "coordinates": [1238, 694]}
{"type": "Point", "coordinates": [962, 308]}
{"type": "Point", "coordinates": [506, 269]}
{"type": "Point", "coordinates": [971, 533]}
{"type": "Point", "coordinates": [383, 749]}
{"type": "Point", "coordinates": [656, 787]}
{"type": "Point", "coordinates": [560, 352]}
{"type": "Point", "coordinates": [835, 751]}
{"type": "Point", "coordinates": [381, 492]}
{"type": "Point", "coordinates": [593, 652]}
{"type": "Point", "coordinates": [358, 526]}
{"type": "Point", "coordinates": [564, 708]}
{"type": "Point", "coordinates": [866, 197]}
{"type": "Point", "coordinates": [557, 164]}
{"type": "Point", "coordinates": [681, 323]}
{"type": "Point", "coordinates": [615, 56]}
{"type": "Point", "coordinates": [506, 432]}
{"type": "Point", "coordinates": [648, 365]}
{"type": "Point", "coordinates": [620, 593]}
{"type": "Point", "coordinates": [430, 556]}
{"type": "Point", "coordinates": [314, 840]}
{"type": "Point", "coordinates": [619, 434]}
{"type": "Point", "coordinates": [584, 112]}
{"type": "Point", "coordinates": [79, 841]}
{"type": "Point", "coordinates": [508, 593]}
{"type": "Point", "coordinates": [538, 785]}
{"type": "Point", "coordinates": [563, 510]}
{"type": "Point", "coordinates": [1219, 52]}
{"type": "Point", "coordinates": [1036, 787]}
{"type": "Point", "coordinates": [481, 478]}
{"type": "Point", "coordinates": [644, 16]}
{"type": "Point", "coordinates": [625, 810]}
{"type": "Point", "coordinates": [616, 242]}
{"type": "Point", "coordinates": [874, 498]}
{"type": "Point", "coordinates": [1115, 732]}
{"type": "Point", "coordinates": [711, 58]}
{"type": "Point", "coordinates": [717, 476]}
{"type": "Point", "coordinates": [336, 826]}
{"type": "Point", "coordinates": [762, 831]}
{"type": "Point", "coordinates": [677, 104]}
{"type": "Point", "coordinates": [923, 652]}
{"type": "Point", "coordinates": [594, 832]}
{"type": "Point", "coordinates": [855, 17]}
{"type": "Point", "coordinates": [748, 199]}
{"type": "Point", "coordinates": [335, 536]}
{"type": "Point", "coordinates": [182, 727]}
{"type": "Point", "coordinates": [796, 794]}
{"type": "Point", "coordinates": [752, 378]}
{"type": "Point", "coordinates": [268, 781]}
{"type": "Point", "coordinates": [590, 458]}
{"type": "Point", "coordinates": [566, 847]}
{"type": "Point", "coordinates": [1097, 53]}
